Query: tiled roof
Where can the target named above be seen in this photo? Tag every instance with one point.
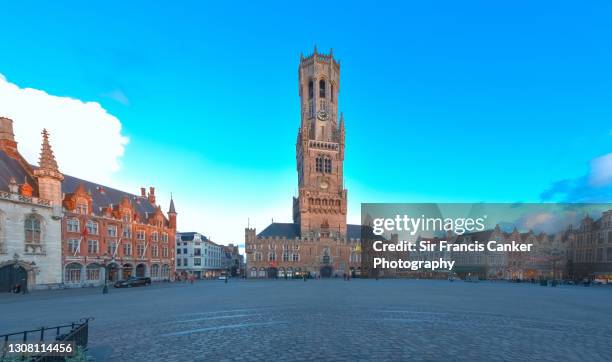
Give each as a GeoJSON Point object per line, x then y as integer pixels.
{"type": "Point", "coordinates": [292, 231]}
{"type": "Point", "coordinates": [281, 230]}
{"type": "Point", "coordinates": [188, 236]}
{"type": "Point", "coordinates": [103, 196]}
{"type": "Point", "coordinates": [10, 167]}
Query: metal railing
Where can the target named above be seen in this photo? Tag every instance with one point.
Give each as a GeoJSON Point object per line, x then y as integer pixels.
{"type": "Point", "coordinates": [77, 332]}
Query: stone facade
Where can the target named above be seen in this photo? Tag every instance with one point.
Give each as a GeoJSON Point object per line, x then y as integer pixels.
{"type": "Point", "coordinates": [590, 249]}
{"type": "Point", "coordinates": [318, 242]}
{"type": "Point", "coordinates": [30, 217]}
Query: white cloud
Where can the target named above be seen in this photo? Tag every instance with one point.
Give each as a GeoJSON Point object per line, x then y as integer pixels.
{"type": "Point", "coordinates": [601, 170]}
{"type": "Point", "coordinates": [86, 139]}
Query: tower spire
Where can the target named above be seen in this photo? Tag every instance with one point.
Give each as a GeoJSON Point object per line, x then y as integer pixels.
{"type": "Point", "coordinates": [171, 210]}
{"type": "Point", "coordinates": [47, 158]}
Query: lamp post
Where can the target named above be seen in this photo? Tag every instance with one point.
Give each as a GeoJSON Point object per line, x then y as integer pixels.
{"type": "Point", "coordinates": [105, 260]}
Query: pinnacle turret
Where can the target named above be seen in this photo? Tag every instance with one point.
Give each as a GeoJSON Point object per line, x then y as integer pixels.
{"type": "Point", "coordinates": [47, 158]}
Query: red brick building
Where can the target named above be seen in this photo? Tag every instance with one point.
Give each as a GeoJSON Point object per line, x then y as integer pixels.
{"type": "Point", "coordinates": [114, 233]}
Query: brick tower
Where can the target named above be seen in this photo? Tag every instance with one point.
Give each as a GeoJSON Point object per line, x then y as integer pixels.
{"type": "Point", "coordinates": [320, 208]}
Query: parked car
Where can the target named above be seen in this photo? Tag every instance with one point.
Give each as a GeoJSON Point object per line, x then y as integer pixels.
{"type": "Point", "coordinates": [133, 282]}
{"type": "Point", "coordinates": [222, 277]}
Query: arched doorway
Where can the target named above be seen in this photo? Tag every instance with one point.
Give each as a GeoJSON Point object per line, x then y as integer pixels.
{"type": "Point", "coordinates": [113, 272]}
{"type": "Point", "coordinates": [326, 271]}
{"type": "Point", "coordinates": [165, 271]}
{"type": "Point", "coordinates": [272, 273]}
{"type": "Point", "coordinates": [11, 275]}
{"type": "Point", "coordinates": [127, 271]}
{"type": "Point", "coordinates": [141, 270]}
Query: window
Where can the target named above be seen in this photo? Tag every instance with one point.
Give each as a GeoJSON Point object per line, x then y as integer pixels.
{"type": "Point", "coordinates": [154, 271]}
{"type": "Point", "coordinates": [310, 90]}
{"type": "Point", "coordinates": [285, 256]}
{"type": "Point", "coordinates": [155, 251]}
{"type": "Point", "coordinates": [178, 262]}
{"type": "Point", "coordinates": [93, 272]}
{"type": "Point", "coordinates": [72, 225]}
{"type": "Point", "coordinates": [319, 164]}
{"type": "Point", "coordinates": [127, 249]}
{"type": "Point", "coordinates": [185, 251]}
{"type": "Point", "coordinates": [164, 238]}
{"type": "Point", "coordinates": [331, 93]}
{"type": "Point", "coordinates": [140, 234]}
{"type": "Point", "coordinates": [126, 232]}
{"type": "Point", "coordinates": [81, 208]}
{"type": "Point", "coordinates": [258, 256]}
{"type": "Point", "coordinates": [92, 227]}
{"type": "Point", "coordinates": [197, 251]}
{"type": "Point", "coordinates": [328, 165]}
{"type": "Point", "coordinates": [165, 271]}
{"type": "Point", "coordinates": [178, 251]}
{"type": "Point", "coordinates": [140, 249]}
{"type": "Point", "coordinates": [296, 257]}
{"type": "Point", "coordinates": [154, 237]}
{"type": "Point", "coordinates": [93, 247]}
{"type": "Point", "coordinates": [165, 252]}
{"type": "Point", "coordinates": [197, 261]}
{"type": "Point", "coordinates": [32, 230]}
{"type": "Point", "coordinates": [322, 88]}
{"type": "Point", "coordinates": [73, 245]}
{"type": "Point", "coordinates": [73, 273]}
{"type": "Point", "coordinates": [111, 248]}
{"type": "Point", "coordinates": [600, 255]}
{"type": "Point", "coordinates": [111, 230]}
{"type": "Point", "coordinates": [272, 256]}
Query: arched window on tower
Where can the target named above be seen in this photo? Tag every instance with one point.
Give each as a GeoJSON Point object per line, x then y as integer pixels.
{"type": "Point", "coordinates": [328, 165]}
{"type": "Point", "coordinates": [319, 164]}
{"type": "Point", "coordinates": [331, 93]}
{"type": "Point", "coordinates": [310, 90]}
{"type": "Point", "coordinates": [322, 88]}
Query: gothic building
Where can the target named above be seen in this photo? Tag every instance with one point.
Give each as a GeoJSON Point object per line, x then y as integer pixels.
{"type": "Point", "coordinates": [57, 229]}
{"type": "Point", "coordinates": [318, 242]}
{"type": "Point", "coordinates": [30, 216]}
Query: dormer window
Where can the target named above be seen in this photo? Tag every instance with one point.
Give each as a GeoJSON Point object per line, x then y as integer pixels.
{"type": "Point", "coordinates": [81, 208]}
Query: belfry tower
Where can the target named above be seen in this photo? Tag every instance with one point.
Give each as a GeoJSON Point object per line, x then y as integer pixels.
{"type": "Point", "coordinates": [320, 208]}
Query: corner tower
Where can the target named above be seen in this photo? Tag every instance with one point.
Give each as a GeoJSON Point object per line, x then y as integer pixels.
{"type": "Point", "coordinates": [320, 208]}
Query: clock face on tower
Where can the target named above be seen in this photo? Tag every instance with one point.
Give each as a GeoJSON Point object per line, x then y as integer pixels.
{"type": "Point", "coordinates": [322, 115]}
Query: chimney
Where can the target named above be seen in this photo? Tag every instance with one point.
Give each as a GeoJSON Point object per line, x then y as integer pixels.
{"type": "Point", "coordinates": [143, 192]}
{"type": "Point", "coordinates": [152, 195]}
{"type": "Point", "coordinates": [7, 138]}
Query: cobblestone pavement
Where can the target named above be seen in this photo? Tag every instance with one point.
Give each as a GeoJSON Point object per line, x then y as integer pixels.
{"type": "Point", "coordinates": [330, 320]}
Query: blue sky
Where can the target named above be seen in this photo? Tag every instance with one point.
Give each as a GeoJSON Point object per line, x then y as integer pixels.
{"type": "Point", "coordinates": [446, 101]}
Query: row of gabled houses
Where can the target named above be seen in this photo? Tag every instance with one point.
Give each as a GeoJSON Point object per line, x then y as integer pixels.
{"type": "Point", "coordinates": [58, 230]}
{"type": "Point", "coordinates": [576, 253]}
